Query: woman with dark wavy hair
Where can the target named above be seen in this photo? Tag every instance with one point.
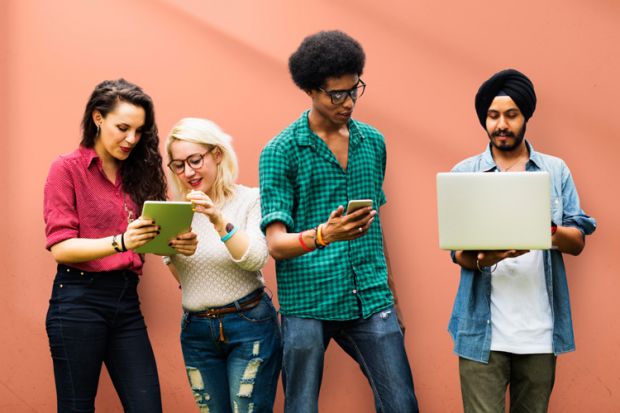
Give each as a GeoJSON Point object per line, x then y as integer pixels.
{"type": "Point", "coordinates": [92, 198]}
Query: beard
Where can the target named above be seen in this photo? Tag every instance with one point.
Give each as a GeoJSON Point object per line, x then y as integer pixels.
{"type": "Point", "coordinates": [518, 138]}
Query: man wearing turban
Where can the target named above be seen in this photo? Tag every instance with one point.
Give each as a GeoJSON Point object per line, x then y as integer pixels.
{"type": "Point", "coordinates": [511, 316]}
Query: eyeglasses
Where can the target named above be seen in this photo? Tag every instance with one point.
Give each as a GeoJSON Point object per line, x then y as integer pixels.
{"type": "Point", "coordinates": [194, 161]}
{"type": "Point", "coordinates": [339, 96]}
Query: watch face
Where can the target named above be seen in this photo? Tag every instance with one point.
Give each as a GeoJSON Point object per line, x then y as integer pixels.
{"type": "Point", "coordinates": [229, 227]}
{"type": "Point", "coordinates": [115, 243]}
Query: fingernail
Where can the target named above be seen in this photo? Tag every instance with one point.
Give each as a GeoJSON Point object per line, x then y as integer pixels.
{"type": "Point", "coordinates": [170, 244]}
{"type": "Point", "coordinates": [157, 232]}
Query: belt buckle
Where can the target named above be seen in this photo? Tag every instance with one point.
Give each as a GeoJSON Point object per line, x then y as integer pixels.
{"type": "Point", "coordinates": [211, 313]}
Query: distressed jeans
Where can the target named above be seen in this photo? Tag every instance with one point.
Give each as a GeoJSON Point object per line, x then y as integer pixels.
{"type": "Point", "coordinates": [95, 318]}
{"type": "Point", "coordinates": [241, 373]}
{"type": "Point", "coordinates": [375, 343]}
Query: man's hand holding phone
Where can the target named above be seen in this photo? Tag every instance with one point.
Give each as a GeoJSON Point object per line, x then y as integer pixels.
{"type": "Point", "coordinates": [355, 224]}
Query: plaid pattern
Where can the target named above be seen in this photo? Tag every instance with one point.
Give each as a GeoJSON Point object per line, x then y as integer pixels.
{"type": "Point", "coordinates": [301, 182]}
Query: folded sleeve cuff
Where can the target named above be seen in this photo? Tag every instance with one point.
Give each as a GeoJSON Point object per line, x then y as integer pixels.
{"type": "Point", "coordinates": [276, 216]}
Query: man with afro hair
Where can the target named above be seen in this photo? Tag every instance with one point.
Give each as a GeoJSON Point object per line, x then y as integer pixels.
{"type": "Point", "coordinates": [331, 265]}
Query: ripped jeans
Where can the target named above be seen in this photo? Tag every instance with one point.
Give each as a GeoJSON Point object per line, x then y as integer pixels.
{"type": "Point", "coordinates": [238, 375]}
{"type": "Point", "coordinates": [375, 343]}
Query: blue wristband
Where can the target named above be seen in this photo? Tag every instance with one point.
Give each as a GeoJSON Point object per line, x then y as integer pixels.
{"type": "Point", "coordinates": [230, 234]}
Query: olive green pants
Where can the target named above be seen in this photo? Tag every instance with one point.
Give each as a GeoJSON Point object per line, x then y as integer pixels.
{"type": "Point", "coordinates": [529, 376]}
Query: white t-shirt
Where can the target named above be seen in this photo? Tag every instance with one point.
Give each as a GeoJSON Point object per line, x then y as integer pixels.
{"type": "Point", "coordinates": [212, 277]}
{"type": "Point", "coordinates": [520, 310]}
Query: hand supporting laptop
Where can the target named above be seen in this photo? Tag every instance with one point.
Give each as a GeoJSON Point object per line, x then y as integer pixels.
{"type": "Point", "coordinates": [476, 260]}
{"type": "Point", "coordinates": [512, 314]}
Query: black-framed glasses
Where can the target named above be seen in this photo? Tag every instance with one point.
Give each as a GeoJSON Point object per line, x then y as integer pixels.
{"type": "Point", "coordinates": [339, 96]}
{"type": "Point", "coordinates": [194, 161]}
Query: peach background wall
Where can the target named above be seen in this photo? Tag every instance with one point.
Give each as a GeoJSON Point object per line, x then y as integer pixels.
{"type": "Point", "coordinates": [226, 60]}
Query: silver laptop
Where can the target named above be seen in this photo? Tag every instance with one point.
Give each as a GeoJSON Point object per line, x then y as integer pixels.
{"type": "Point", "coordinates": [494, 210]}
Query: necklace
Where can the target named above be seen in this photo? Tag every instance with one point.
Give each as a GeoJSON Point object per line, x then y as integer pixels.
{"type": "Point", "coordinates": [517, 162]}
{"type": "Point", "coordinates": [512, 166]}
{"type": "Point", "coordinates": [127, 210]}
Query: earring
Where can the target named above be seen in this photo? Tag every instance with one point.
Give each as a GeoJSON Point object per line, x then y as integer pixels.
{"type": "Point", "coordinates": [98, 129]}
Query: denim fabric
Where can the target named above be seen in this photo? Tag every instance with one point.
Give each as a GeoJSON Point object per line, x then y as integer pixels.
{"type": "Point", "coordinates": [376, 343]}
{"type": "Point", "coordinates": [529, 376]}
{"type": "Point", "coordinates": [470, 324]}
{"type": "Point", "coordinates": [240, 374]}
{"type": "Point", "coordinates": [95, 318]}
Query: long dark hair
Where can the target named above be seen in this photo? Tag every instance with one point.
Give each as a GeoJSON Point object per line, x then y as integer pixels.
{"type": "Point", "coordinates": [142, 173]}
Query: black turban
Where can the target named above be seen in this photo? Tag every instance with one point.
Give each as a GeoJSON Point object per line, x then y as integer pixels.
{"type": "Point", "coordinates": [512, 83]}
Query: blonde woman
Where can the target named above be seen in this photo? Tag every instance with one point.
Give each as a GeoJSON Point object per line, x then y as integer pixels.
{"type": "Point", "coordinates": [229, 332]}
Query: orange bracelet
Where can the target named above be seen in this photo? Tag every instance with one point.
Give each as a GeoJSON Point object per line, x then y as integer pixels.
{"type": "Point", "coordinates": [319, 236]}
{"type": "Point", "coordinates": [303, 244]}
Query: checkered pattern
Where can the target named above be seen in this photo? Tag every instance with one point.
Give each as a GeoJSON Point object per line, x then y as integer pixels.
{"type": "Point", "coordinates": [301, 182]}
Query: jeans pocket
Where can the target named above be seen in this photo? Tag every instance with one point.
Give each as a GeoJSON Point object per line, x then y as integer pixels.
{"type": "Point", "coordinates": [70, 291]}
{"type": "Point", "coordinates": [264, 311]}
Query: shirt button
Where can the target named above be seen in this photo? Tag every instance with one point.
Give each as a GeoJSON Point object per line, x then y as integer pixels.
{"type": "Point", "coordinates": [68, 270]}
{"type": "Point", "coordinates": [81, 273]}
{"type": "Point", "coordinates": [488, 321]}
{"type": "Point", "coordinates": [60, 285]}
{"type": "Point", "coordinates": [354, 291]}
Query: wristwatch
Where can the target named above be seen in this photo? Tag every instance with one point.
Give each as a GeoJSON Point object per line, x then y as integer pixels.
{"type": "Point", "coordinates": [115, 243]}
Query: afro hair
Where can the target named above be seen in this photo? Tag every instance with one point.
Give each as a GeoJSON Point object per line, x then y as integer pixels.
{"type": "Point", "coordinates": [323, 55]}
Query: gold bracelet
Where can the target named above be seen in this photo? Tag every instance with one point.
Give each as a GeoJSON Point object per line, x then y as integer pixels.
{"type": "Point", "coordinates": [319, 236]}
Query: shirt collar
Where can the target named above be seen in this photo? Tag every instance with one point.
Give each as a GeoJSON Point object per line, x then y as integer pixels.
{"type": "Point", "coordinates": [89, 155]}
{"type": "Point", "coordinates": [488, 163]}
{"type": "Point", "coordinates": [307, 137]}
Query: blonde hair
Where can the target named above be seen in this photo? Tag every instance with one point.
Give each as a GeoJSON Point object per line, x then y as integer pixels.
{"type": "Point", "coordinates": [207, 133]}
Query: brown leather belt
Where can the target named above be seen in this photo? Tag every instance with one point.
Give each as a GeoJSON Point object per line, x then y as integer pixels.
{"type": "Point", "coordinates": [216, 312]}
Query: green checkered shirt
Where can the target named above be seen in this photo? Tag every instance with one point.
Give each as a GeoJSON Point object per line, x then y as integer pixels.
{"type": "Point", "coordinates": [301, 182]}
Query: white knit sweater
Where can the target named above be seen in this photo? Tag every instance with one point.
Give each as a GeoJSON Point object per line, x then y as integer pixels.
{"type": "Point", "coordinates": [212, 277]}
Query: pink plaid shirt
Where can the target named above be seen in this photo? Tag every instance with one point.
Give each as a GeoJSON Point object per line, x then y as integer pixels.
{"type": "Point", "coordinates": [80, 202]}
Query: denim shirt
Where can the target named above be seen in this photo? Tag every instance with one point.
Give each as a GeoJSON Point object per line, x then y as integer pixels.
{"type": "Point", "coordinates": [470, 323]}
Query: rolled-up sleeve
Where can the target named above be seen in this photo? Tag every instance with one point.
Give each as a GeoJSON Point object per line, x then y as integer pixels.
{"type": "Point", "coordinates": [276, 188]}
{"type": "Point", "coordinates": [572, 214]}
{"type": "Point", "coordinates": [59, 205]}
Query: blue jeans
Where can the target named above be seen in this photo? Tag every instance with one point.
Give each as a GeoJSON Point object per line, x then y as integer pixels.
{"type": "Point", "coordinates": [95, 318]}
{"type": "Point", "coordinates": [241, 373]}
{"type": "Point", "coordinates": [375, 343]}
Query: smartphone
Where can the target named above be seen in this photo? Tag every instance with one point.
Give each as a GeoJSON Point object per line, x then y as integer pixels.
{"type": "Point", "coordinates": [356, 204]}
